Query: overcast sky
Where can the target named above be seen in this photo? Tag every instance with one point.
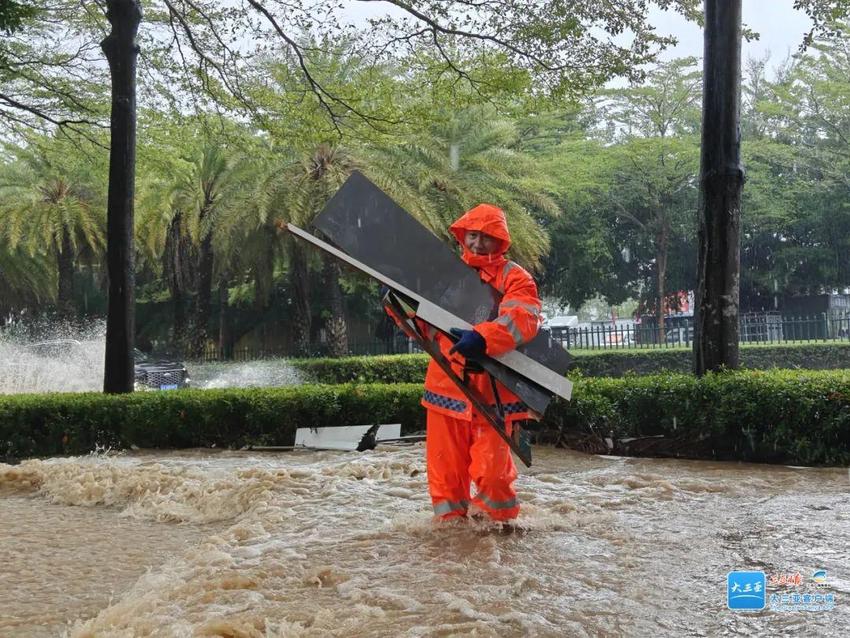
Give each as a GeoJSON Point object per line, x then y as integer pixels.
{"type": "Point", "coordinates": [780, 27]}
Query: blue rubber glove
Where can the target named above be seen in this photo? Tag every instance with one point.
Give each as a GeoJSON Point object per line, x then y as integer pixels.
{"type": "Point", "coordinates": [470, 344]}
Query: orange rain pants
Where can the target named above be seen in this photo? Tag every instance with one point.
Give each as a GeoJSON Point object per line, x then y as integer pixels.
{"type": "Point", "coordinates": [460, 453]}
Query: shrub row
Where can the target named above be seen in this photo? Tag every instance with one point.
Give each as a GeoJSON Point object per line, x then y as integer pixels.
{"type": "Point", "coordinates": [393, 368]}
{"type": "Point", "coordinates": [600, 363]}
{"type": "Point", "coordinates": [48, 424]}
{"type": "Point", "coordinates": [777, 416]}
{"type": "Point", "coordinates": [807, 356]}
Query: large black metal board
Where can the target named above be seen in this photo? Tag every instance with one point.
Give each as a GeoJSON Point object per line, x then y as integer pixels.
{"type": "Point", "coordinates": [514, 374]}
{"type": "Point", "coordinates": [368, 225]}
{"type": "Point", "coordinates": [362, 220]}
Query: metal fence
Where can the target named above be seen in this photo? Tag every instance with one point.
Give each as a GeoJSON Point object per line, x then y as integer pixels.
{"type": "Point", "coordinates": [764, 328]}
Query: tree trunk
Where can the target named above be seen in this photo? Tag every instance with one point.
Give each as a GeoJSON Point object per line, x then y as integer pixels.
{"type": "Point", "coordinates": [661, 249]}
{"type": "Point", "coordinates": [335, 326]}
{"type": "Point", "coordinates": [225, 339]}
{"type": "Point", "coordinates": [175, 260]}
{"type": "Point", "coordinates": [300, 279]}
{"type": "Point", "coordinates": [204, 299]}
{"type": "Point", "coordinates": [65, 269]}
{"type": "Point", "coordinates": [721, 185]}
{"type": "Point", "coordinates": [121, 52]}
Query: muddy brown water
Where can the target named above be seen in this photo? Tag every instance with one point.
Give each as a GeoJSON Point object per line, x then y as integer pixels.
{"type": "Point", "coordinates": [342, 544]}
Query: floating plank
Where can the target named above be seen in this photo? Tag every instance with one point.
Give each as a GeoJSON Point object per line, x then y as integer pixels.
{"type": "Point", "coordinates": [343, 437]}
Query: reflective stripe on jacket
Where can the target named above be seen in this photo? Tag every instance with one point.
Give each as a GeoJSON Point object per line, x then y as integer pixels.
{"type": "Point", "coordinates": [517, 322]}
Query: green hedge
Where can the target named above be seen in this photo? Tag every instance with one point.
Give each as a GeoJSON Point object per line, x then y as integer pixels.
{"type": "Point", "coordinates": [394, 368]}
{"type": "Point", "coordinates": [777, 416]}
{"type": "Point", "coordinates": [47, 424]}
{"type": "Point", "coordinates": [808, 356]}
{"type": "Point", "coordinates": [592, 363]}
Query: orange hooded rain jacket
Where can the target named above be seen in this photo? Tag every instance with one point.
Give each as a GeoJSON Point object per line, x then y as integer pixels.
{"type": "Point", "coordinates": [518, 321]}
{"type": "Point", "coordinates": [461, 448]}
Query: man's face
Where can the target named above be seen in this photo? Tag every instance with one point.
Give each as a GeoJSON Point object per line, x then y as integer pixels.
{"type": "Point", "coordinates": [480, 243]}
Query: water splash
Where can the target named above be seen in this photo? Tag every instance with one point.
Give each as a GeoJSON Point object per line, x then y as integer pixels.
{"type": "Point", "coordinates": [51, 356]}
{"type": "Point", "coordinates": [249, 374]}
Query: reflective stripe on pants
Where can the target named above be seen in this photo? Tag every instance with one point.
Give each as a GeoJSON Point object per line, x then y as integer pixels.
{"type": "Point", "coordinates": [448, 507]}
{"type": "Point", "coordinates": [498, 510]}
{"type": "Point", "coordinates": [463, 452]}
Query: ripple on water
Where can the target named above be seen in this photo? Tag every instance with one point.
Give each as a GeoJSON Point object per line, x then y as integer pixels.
{"type": "Point", "coordinates": [337, 544]}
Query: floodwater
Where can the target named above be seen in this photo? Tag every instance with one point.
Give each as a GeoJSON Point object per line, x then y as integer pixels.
{"type": "Point", "coordinates": [342, 544]}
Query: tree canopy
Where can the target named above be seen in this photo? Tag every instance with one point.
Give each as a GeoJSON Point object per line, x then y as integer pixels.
{"type": "Point", "coordinates": [251, 115]}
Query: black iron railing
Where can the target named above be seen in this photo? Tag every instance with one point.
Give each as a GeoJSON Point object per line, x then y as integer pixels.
{"type": "Point", "coordinates": [764, 328]}
{"type": "Point", "coordinates": [760, 328]}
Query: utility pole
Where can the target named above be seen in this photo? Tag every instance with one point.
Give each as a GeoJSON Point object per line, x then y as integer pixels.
{"type": "Point", "coordinates": [721, 184]}
{"type": "Point", "coordinates": [121, 52]}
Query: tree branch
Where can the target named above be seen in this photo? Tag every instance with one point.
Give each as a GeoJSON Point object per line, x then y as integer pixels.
{"type": "Point", "coordinates": [324, 96]}
{"type": "Point", "coordinates": [505, 44]}
{"type": "Point", "coordinates": [42, 115]}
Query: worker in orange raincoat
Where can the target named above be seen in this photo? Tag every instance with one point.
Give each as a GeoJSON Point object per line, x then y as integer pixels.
{"type": "Point", "coordinates": [461, 447]}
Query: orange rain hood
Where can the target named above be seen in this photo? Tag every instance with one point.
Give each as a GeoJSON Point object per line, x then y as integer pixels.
{"type": "Point", "coordinates": [487, 219]}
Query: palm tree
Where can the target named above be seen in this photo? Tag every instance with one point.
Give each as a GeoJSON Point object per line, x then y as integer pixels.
{"type": "Point", "coordinates": [295, 187]}
{"type": "Point", "coordinates": [474, 157]}
{"type": "Point", "coordinates": [248, 245]}
{"type": "Point", "coordinates": [179, 215]}
{"type": "Point", "coordinates": [25, 281]}
{"type": "Point", "coordinates": [50, 208]}
{"type": "Point", "coordinates": [202, 192]}
{"type": "Point", "coordinates": [324, 171]}
{"type": "Point", "coordinates": [296, 191]}
{"type": "Point", "coordinates": [164, 239]}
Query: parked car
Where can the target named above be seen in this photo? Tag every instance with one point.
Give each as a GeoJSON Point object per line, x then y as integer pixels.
{"type": "Point", "coordinates": [150, 373]}
{"type": "Point", "coordinates": [159, 374]}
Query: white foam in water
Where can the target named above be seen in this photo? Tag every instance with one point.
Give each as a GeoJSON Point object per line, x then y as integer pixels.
{"type": "Point", "coordinates": [199, 543]}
